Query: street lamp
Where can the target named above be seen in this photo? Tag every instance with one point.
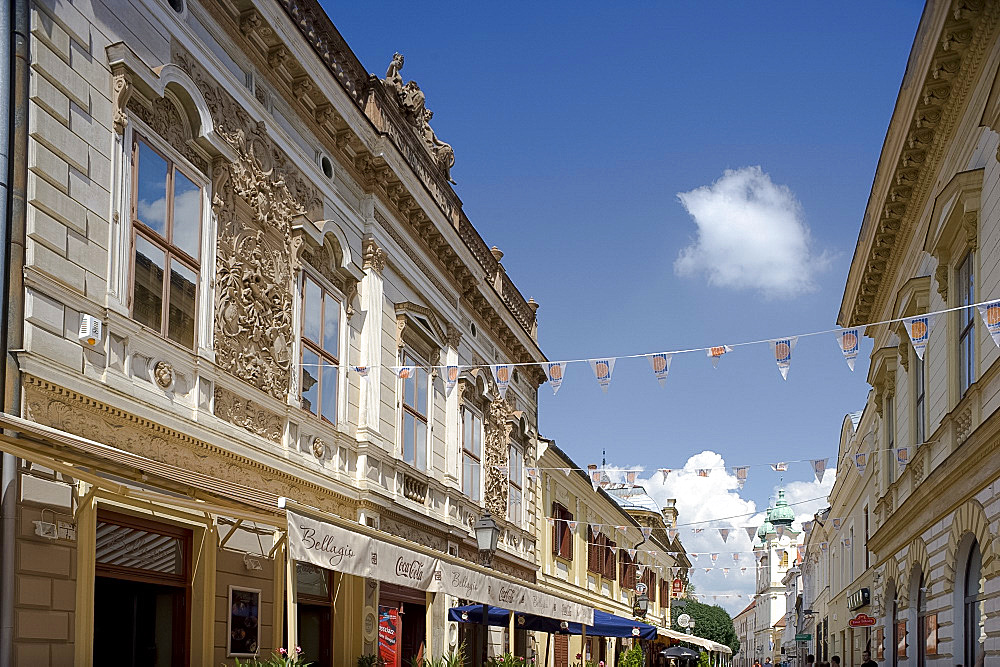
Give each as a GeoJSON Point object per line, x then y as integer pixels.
{"type": "Point", "coordinates": [641, 605]}
{"type": "Point", "coordinates": [487, 536]}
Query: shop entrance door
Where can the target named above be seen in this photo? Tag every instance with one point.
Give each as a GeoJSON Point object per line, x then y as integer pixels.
{"type": "Point", "coordinates": [141, 593]}
{"type": "Point", "coordinates": [314, 634]}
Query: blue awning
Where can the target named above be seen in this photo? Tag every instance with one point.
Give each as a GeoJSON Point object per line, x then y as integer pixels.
{"type": "Point", "coordinates": [605, 624]}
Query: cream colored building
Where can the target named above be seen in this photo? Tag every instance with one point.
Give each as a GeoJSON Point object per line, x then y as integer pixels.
{"type": "Point", "coordinates": [928, 242]}
{"type": "Point", "coordinates": [816, 584]}
{"type": "Point", "coordinates": [282, 274]}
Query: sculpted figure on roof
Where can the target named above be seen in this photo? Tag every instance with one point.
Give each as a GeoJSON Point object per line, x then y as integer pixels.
{"type": "Point", "coordinates": [412, 103]}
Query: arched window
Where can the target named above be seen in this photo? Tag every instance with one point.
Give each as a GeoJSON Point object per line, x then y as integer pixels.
{"type": "Point", "coordinates": [974, 606]}
{"type": "Point", "coordinates": [921, 598]}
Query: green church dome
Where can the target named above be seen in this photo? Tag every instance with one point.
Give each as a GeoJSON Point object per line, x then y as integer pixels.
{"type": "Point", "coordinates": [782, 514]}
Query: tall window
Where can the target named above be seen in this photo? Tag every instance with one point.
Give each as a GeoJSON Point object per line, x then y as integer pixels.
{"type": "Point", "coordinates": [472, 452]}
{"type": "Point", "coordinates": [629, 571]}
{"type": "Point", "coordinates": [415, 401]}
{"type": "Point", "coordinates": [868, 554]}
{"type": "Point", "coordinates": [921, 623]}
{"type": "Point", "coordinates": [562, 536]}
{"type": "Point", "coordinates": [515, 469]}
{"type": "Point", "coordinates": [166, 222]}
{"type": "Point", "coordinates": [919, 404]}
{"type": "Point", "coordinates": [975, 602]}
{"type": "Point", "coordinates": [966, 324]}
{"type": "Point", "coordinates": [320, 349]}
{"type": "Point", "coordinates": [890, 439]}
{"type": "Point", "coordinates": [601, 555]}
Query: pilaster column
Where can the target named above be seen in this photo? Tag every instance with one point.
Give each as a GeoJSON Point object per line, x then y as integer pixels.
{"type": "Point", "coordinates": [371, 297]}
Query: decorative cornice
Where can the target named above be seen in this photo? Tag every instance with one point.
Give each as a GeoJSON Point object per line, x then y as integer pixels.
{"type": "Point", "coordinates": [907, 175]}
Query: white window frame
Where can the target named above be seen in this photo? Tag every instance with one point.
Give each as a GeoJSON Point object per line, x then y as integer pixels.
{"type": "Point", "coordinates": [475, 415]}
{"type": "Point", "coordinates": [300, 346]}
{"type": "Point", "coordinates": [409, 354]}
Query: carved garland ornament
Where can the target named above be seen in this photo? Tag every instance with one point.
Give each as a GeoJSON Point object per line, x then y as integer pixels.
{"type": "Point", "coordinates": [495, 456]}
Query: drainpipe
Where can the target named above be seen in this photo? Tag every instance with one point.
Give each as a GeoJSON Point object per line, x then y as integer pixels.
{"type": "Point", "coordinates": [14, 175]}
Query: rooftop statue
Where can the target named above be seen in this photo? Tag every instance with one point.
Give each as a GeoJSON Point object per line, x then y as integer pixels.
{"type": "Point", "coordinates": [411, 101]}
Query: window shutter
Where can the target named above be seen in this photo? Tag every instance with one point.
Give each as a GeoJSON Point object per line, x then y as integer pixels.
{"type": "Point", "coordinates": [556, 523]}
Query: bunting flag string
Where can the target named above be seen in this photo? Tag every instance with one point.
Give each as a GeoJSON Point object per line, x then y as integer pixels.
{"type": "Point", "coordinates": [501, 375]}
{"type": "Point", "coordinates": [741, 472]}
{"type": "Point", "coordinates": [450, 378]}
{"type": "Point", "coordinates": [917, 327]}
{"type": "Point", "coordinates": [819, 468]}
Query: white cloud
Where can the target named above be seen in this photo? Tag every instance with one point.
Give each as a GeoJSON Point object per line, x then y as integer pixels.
{"type": "Point", "coordinates": [751, 234]}
{"type": "Point", "coordinates": [702, 499]}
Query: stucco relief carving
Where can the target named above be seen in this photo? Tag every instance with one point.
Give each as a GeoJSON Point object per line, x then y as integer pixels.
{"type": "Point", "coordinates": [411, 102]}
{"type": "Point", "coordinates": [495, 456]}
{"type": "Point", "coordinates": [62, 409]}
{"type": "Point", "coordinates": [165, 120]}
{"type": "Point", "coordinates": [163, 374]}
{"type": "Point", "coordinates": [121, 91]}
{"type": "Point", "coordinates": [244, 412]}
{"type": "Point", "coordinates": [412, 533]}
{"type": "Point", "coordinates": [253, 323]}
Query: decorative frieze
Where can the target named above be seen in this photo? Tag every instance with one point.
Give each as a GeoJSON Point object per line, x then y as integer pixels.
{"type": "Point", "coordinates": [244, 412]}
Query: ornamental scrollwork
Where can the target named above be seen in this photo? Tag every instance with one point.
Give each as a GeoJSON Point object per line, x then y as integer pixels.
{"type": "Point", "coordinates": [495, 456]}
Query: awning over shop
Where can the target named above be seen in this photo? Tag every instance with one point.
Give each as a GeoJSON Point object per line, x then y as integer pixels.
{"type": "Point", "coordinates": [604, 625]}
{"type": "Point", "coordinates": [355, 552]}
{"type": "Point", "coordinates": [707, 644]}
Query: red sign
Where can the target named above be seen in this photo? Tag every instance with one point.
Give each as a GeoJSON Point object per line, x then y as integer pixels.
{"type": "Point", "coordinates": [388, 624]}
{"type": "Point", "coordinates": [677, 588]}
{"type": "Point", "coordinates": [861, 621]}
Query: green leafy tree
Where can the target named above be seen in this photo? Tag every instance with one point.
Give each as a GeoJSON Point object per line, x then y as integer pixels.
{"type": "Point", "coordinates": [710, 622]}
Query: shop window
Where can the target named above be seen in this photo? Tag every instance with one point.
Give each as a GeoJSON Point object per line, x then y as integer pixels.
{"type": "Point", "coordinates": [320, 349]}
{"type": "Point", "coordinates": [472, 453]}
{"type": "Point", "coordinates": [166, 244]}
{"type": "Point", "coordinates": [416, 401]}
{"type": "Point", "coordinates": [314, 588]}
{"type": "Point", "coordinates": [562, 536]}
{"type": "Point", "coordinates": [966, 292]}
{"type": "Point", "coordinates": [515, 471]}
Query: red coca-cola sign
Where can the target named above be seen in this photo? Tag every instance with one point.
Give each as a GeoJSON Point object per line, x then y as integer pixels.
{"type": "Point", "coordinates": [861, 621]}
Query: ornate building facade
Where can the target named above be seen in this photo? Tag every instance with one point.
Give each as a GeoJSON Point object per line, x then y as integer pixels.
{"type": "Point", "coordinates": [248, 286]}
{"type": "Point", "coordinates": [928, 242]}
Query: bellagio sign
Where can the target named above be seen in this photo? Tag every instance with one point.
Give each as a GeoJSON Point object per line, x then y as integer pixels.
{"type": "Point", "coordinates": [342, 550]}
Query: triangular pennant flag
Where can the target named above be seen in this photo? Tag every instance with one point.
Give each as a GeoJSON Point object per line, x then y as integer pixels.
{"type": "Point", "coordinates": [630, 476]}
{"type": "Point", "coordinates": [549, 520]}
{"type": "Point", "coordinates": [919, 330]}
{"type": "Point", "coordinates": [664, 472]}
{"type": "Point", "coordinates": [603, 368]}
{"type": "Point", "coordinates": [782, 350]}
{"type": "Point", "coordinates": [501, 374]}
{"type": "Point", "coordinates": [555, 371]}
{"type": "Point", "coordinates": [741, 472]}
{"type": "Point", "coordinates": [848, 340]}
{"type": "Point", "coordinates": [697, 530]}
{"type": "Point", "coordinates": [807, 527]}
{"type": "Point", "coordinates": [672, 533]}
{"type": "Point", "coordinates": [693, 555]}
{"type": "Point", "coordinates": [597, 527]}
{"type": "Point", "coordinates": [800, 551]}
{"type": "Point", "coordinates": [405, 372]}
{"type": "Point", "coordinates": [725, 572]}
{"type": "Point", "coordinates": [779, 467]}
{"type": "Point", "coordinates": [715, 353]}
{"type": "Point", "coordinates": [450, 378]}
{"type": "Point", "coordinates": [736, 557]}
{"type": "Point", "coordinates": [819, 469]}
{"type": "Point", "coordinates": [743, 570]}
{"type": "Point", "coordinates": [780, 530]}
{"type": "Point", "coordinates": [631, 553]}
{"type": "Point", "coordinates": [861, 462]}
{"type": "Point", "coordinates": [646, 532]}
{"type": "Point", "coordinates": [836, 524]}
{"type": "Point", "coordinates": [751, 532]}
{"type": "Point", "coordinates": [361, 370]}
{"type": "Point", "coordinates": [653, 553]}
{"type": "Point", "coordinates": [708, 569]}
{"type": "Point", "coordinates": [902, 456]}
{"type": "Point", "coordinates": [532, 473]}
{"type": "Point", "coordinates": [703, 472]}
{"type": "Point", "coordinates": [991, 318]}
{"type": "Point", "coordinates": [847, 542]}
{"type": "Point", "coordinates": [724, 533]}
{"type": "Point", "coordinates": [614, 550]}
{"type": "Point", "coordinates": [660, 363]}
{"type": "Point", "coordinates": [567, 471]}
{"type": "Point", "coordinates": [824, 545]}
{"type": "Point", "coordinates": [715, 557]}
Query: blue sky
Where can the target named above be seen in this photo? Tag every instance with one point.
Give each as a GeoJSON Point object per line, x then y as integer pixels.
{"type": "Point", "coordinates": [576, 126]}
